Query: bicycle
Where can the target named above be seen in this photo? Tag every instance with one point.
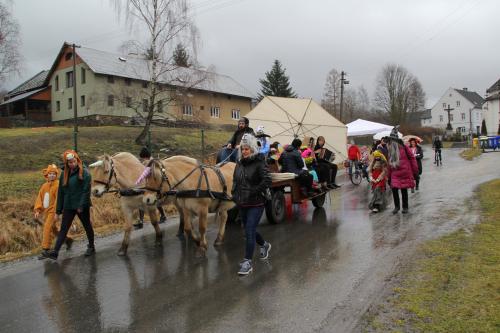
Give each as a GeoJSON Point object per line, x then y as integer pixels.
{"type": "Point", "coordinates": [358, 174]}
{"type": "Point", "coordinates": [437, 157]}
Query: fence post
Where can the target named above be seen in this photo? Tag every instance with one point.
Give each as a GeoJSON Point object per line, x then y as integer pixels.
{"type": "Point", "coordinates": [202, 145]}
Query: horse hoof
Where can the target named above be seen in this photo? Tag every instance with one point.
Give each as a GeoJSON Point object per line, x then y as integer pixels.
{"type": "Point", "coordinates": [201, 252]}
{"type": "Point", "coordinates": [218, 242]}
{"type": "Point", "coordinates": [181, 236]}
{"type": "Point", "coordinates": [122, 253]}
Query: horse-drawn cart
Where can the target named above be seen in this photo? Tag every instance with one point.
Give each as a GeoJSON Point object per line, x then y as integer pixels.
{"type": "Point", "coordinates": [275, 208]}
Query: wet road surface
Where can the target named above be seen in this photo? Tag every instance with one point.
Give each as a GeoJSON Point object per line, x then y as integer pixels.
{"type": "Point", "coordinates": [326, 267]}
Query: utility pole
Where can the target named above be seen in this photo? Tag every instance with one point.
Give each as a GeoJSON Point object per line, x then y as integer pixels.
{"type": "Point", "coordinates": [343, 81]}
{"type": "Point", "coordinates": [75, 104]}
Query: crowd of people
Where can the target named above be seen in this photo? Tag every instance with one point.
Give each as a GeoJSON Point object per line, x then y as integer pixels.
{"type": "Point", "coordinates": [392, 164]}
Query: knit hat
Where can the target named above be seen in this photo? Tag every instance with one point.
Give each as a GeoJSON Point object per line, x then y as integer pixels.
{"type": "Point", "coordinates": [259, 133]}
{"type": "Point", "coordinates": [69, 155]}
{"type": "Point", "coordinates": [245, 120]}
{"type": "Point", "coordinates": [50, 168]}
{"type": "Point", "coordinates": [248, 140]}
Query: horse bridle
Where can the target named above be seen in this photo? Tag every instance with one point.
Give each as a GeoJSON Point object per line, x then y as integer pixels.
{"type": "Point", "coordinates": [112, 173]}
{"type": "Point", "coordinates": [164, 178]}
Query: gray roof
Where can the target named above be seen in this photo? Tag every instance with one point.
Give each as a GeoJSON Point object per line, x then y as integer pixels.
{"type": "Point", "coordinates": [35, 82]}
{"type": "Point", "coordinates": [133, 67]}
{"type": "Point", "coordinates": [22, 96]}
{"type": "Point", "coordinates": [472, 96]}
{"type": "Point", "coordinates": [426, 114]}
{"type": "Point", "coordinates": [494, 87]}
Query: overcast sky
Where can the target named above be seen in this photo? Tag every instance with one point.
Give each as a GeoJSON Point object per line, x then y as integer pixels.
{"type": "Point", "coordinates": [445, 43]}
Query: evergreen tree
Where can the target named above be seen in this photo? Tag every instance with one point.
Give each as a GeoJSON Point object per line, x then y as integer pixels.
{"type": "Point", "coordinates": [484, 130]}
{"type": "Point", "coordinates": [276, 83]}
{"type": "Point", "coordinates": [181, 57]}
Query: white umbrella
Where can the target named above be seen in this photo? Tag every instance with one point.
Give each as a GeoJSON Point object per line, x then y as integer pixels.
{"type": "Point", "coordinates": [380, 135]}
{"type": "Point", "coordinates": [285, 119]}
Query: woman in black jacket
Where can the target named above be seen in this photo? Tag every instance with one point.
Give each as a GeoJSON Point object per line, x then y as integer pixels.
{"type": "Point", "coordinates": [327, 169]}
{"type": "Point", "coordinates": [251, 181]}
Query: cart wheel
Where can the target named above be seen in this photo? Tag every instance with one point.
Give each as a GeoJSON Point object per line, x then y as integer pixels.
{"type": "Point", "coordinates": [275, 208]}
{"type": "Point", "coordinates": [319, 200]}
{"type": "Point", "coordinates": [232, 215]}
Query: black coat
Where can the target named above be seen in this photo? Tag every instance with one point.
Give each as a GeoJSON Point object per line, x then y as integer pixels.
{"type": "Point", "coordinates": [238, 134]}
{"type": "Point", "coordinates": [291, 161]}
{"type": "Point", "coordinates": [251, 179]}
{"type": "Point", "coordinates": [418, 157]}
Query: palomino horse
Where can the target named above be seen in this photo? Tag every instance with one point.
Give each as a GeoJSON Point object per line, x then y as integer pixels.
{"type": "Point", "coordinates": [120, 172]}
{"type": "Point", "coordinates": [199, 190]}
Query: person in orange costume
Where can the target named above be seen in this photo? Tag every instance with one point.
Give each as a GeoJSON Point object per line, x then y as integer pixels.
{"type": "Point", "coordinates": [46, 204]}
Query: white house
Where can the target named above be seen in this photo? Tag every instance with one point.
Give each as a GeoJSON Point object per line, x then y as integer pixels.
{"type": "Point", "coordinates": [491, 109]}
{"type": "Point", "coordinates": [466, 114]}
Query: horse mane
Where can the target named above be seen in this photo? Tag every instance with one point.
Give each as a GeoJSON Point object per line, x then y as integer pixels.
{"type": "Point", "coordinates": [181, 158]}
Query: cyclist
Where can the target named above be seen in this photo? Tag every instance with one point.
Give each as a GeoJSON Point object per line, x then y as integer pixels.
{"type": "Point", "coordinates": [437, 145]}
{"type": "Point", "coordinates": [354, 155]}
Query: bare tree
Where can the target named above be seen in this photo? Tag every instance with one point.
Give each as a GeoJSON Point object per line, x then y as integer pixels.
{"type": "Point", "coordinates": [397, 92]}
{"type": "Point", "coordinates": [10, 41]}
{"type": "Point", "coordinates": [167, 23]}
{"type": "Point", "coordinates": [331, 93]}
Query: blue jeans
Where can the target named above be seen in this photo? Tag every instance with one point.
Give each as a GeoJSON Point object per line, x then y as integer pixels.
{"type": "Point", "coordinates": [250, 216]}
{"type": "Point", "coordinates": [226, 152]}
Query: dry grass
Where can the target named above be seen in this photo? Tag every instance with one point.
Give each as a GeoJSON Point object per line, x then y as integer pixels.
{"type": "Point", "coordinates": [454, 286]}
{"type": "Point", "coordinates": [471, 153]}
{"type": "Point", "coordinates": [26, 151]}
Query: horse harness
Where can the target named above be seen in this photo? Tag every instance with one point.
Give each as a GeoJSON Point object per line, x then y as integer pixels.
{"type": "Point", "coordinates": [198, 193]}
{"type": "Point", "coordinates": [128, 192]}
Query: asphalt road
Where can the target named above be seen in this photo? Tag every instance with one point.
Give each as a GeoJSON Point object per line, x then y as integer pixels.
{"type": "Point", "coordinates": [326, 267]}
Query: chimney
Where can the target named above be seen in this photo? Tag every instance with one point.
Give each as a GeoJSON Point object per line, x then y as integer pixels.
{"type": "Point", "coordinates": [464, 89]}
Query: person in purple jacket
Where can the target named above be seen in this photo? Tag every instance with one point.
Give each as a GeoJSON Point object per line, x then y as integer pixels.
{"type": "Point", "coordinates": [402, 168]}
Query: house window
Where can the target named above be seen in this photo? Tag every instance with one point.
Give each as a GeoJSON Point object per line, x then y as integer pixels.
{"type": "Point", "coordinates": [69, 79]}
{"type": "Point", "coordinates": [145, 84]}
{"type": "Point", "coordinates": [70, 103]}
{"type": "Point", "coordinates": [187, 110]}
{"type": "Point", "coordinates": [159, 106]}
{"type": "Point", "coordinates": [82, 100]}
{"type": "Point", "coordinates": [458, 103]}
{"type": "Point", "coordinates": [463, 116]}
{"type": "Point", "coordinates": [441, 118]}
{"type": "Point", "coordinates": [84, 78]}
{"type": "Point", "coordinates": [128, 102]}
{"type": "Point", "coordinates": [58, 106]}
{"type": "Point", "coordinates": [57, 82]}
{"type": "Point", "coordinates": [215, 112]}
{"type": "Point", "coordinates": [451, 117]}
{"type": "Point", "coordinates": [111, 79]}
{"type": "Point", "coordinates": [144, 105]}
{"type": "Point", "coordinates": [68, 56]}
{"type": "Point", "coordinates": [128, 82]}
{"type": "Point", "coordinates": [235, 114]}
{"type": "Point", "coordinates": [444, 105]}
{"type": "Point", "coordinates": [111, 100]}
{"type": "Point", "coordinates": [202, 107]}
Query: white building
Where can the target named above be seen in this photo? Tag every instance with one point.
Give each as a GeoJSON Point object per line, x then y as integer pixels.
{"type": "Point", "coordinates": [491, 109]}
{"type": "Point", "coordinates": [466, 114]}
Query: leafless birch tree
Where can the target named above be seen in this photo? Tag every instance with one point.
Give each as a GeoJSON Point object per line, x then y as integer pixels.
{"type": "Point", "coordinates": [167, 22]}
{"type": "Point", "coordinates": [10, 41]}
{"type": "Point", "coordinates": [331, 94]}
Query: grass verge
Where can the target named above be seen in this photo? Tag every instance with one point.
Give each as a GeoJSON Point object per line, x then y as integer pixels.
{"type": "Point", "coordinates": [454, 285]}
{"type": "Point", "coordinates": [470, 153]}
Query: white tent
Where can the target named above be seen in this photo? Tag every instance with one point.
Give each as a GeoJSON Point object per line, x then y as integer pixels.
{"type": "Point", "coordinates": [361, 127]}
{"type": "Point", "coordinates": [287, 118]}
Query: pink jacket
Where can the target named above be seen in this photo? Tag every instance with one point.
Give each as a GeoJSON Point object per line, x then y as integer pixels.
{"type": "Point", "coordinates": [402, 177]}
